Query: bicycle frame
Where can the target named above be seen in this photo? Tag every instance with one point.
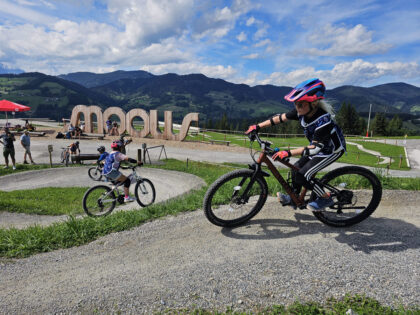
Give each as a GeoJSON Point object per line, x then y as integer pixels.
{"type": "Point", "coordinates": [298, 200]}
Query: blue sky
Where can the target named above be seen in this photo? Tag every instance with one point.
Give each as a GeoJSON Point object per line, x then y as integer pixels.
{"type": "Point", "coordinates": [276, 42]}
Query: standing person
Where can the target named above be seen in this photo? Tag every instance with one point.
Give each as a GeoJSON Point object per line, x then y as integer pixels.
{"type": "Point", "coordinates": [326, 140]}
{"type": "Point", "coordinates": [114, 129]}
{"type": "Point", "coordinates": [109, 126]}
{"type": "Point", "coordinates": [7, 140]}
{"type": "Point", "coordinates": [25, 141]}
{"type": "Point", "coordinates": [71, 131]}
{"type": "Point", "coordinates": [112, 165]}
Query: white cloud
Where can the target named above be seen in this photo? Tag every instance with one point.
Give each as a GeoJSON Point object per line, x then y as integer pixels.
{"type": "Point", "coordinates": [250, 21]}
{"type": "Point", "coordinates": [251, 56]}
{"type": "Point", "coordinates": [261, 32]}
{"type": "Point", "coordinates": [217, 71]}
{"type": "Point", "coordinates": [217, 23]}
{"type": "Point", "coordinates": [241, 37]}
{"type": "Point", "coordinates": [357, 72]}
{"type": "Point", "coordinates": [262, 43]}
{"type": "Point", "coordinates": [339, 41]}
{"type": "Point", "coordinates": [25, 13]}
{"type": "Point", "coordinates": [148, 21]}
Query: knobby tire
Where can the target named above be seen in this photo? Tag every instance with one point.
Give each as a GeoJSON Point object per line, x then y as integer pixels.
{"type": "Point", "coordinates": [366, 198]}
{"type": "Point", "coordinates": [226, 204]}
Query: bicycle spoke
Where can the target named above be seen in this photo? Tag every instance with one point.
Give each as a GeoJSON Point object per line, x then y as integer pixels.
{"type": "Point", "coordinates": [356, 193]}
{"type": "Point", "coordinates": [99, 201]}
{"type": "Point", "coordinates": [235, 198]}
{"type": "Point", "coordinates": [145, 192]}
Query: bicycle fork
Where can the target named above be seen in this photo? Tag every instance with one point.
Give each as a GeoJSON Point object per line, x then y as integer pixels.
{"type": "Point", "coordinates": [257, 172]}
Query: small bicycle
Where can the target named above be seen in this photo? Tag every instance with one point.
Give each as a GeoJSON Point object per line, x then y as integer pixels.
{"type": "Point", "coordinates": [65, 156]}
{"type": "Point", "coordinates": [101, 200]}
{"type": "Point", "coordinates": [95, 172]}
{"type": "Point", "coordinates": [236, 197]}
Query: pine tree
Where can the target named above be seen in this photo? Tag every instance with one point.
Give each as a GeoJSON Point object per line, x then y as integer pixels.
{"type": "Point", "coordinates": [379, 125]}
{"type": "Point", "coordinates": [395, 126]}
{"type": "Point", "coordinates": [348, 119]}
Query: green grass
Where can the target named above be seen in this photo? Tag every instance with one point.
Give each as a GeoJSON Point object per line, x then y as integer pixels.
{"type": "Point", "coordinates": [74, 232]}
{"type": "Point", "coordinates": [47, 201]}
{"type": "Point", "coordinates": [21, 168]}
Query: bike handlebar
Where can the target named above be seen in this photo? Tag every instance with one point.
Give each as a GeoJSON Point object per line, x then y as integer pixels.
{"type": "Point", "coordinates": [265, 145]}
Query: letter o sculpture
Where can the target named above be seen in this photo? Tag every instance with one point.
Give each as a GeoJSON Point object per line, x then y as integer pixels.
{"type": "Point", "coordinates": [137, 112]}
{"type": "Point", "coordinates": [118, 112]}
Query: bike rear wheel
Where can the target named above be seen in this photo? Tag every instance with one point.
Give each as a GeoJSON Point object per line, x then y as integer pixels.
{"type": "Point", "coordinates": [145, 192]}
{"type": "Point", "coordinates": [235, 198]}
{"type": "Point", "coordinates": [356, 192]}
{"type": "Point", "coordinates": [95, 173]}
{"type": "Point", "coordinates": [99, 201]}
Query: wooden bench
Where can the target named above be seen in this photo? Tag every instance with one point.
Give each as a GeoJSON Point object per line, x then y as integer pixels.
{"type": "Point", "coordinates": [98, 136]}
{"type": "Point", "coordinates": [31, 133]}
{"type": "Point", "coordinates": [83, 157]}
{"type": "Point", "coordinates": [219, 141]}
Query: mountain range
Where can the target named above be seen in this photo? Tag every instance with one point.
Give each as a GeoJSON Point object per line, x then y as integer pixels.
{"type": "Point", "coordinates": [55, 96]}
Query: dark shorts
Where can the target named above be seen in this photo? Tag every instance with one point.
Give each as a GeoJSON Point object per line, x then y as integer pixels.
{"type": "Point", "coordinates": [9, 151]}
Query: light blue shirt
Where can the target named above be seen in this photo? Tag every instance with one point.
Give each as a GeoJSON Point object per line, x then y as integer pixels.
{"type": "Point", "coordinates": [26, 140]}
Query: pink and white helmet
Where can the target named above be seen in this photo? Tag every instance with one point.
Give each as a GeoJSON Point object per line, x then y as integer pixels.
{"type": "Point", "coordinates": [309, 90]}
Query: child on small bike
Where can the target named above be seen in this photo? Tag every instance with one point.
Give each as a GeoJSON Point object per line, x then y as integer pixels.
{"type": "Point", "coordinates": [102, 156]}
{"type": "Point", "coordinates": [326, 140]}
{"type": "Point", "coordinates": [112, 165]}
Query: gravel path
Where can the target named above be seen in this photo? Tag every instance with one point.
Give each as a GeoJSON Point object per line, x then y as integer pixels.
{"type": "Point", "coordinates": [184, 261]}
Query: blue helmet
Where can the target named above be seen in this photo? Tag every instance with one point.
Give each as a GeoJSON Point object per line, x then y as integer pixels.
{"type": "Point", "coordinates": [309, 90]}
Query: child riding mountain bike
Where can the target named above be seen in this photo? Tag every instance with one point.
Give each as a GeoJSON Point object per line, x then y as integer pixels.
{"type": "Point", "coordinates": [112, 165]}
{"type": "Point", "coordinates": [326, 140]}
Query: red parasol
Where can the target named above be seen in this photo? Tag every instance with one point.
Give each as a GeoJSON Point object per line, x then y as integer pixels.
{"type": "Point", "coordinates": [8, 106]}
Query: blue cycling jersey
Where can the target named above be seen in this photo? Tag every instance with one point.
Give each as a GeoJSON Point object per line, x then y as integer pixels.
{"type": "Point", "coordinates": [103, 156]}
{"type": "Point", "coordinates": [322, 129]}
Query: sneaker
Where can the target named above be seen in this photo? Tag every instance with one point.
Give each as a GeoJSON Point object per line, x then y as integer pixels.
{"type": "Point", "coordinates": [14, 167]}
{"type": "Point", "coordinates": [24, 162]}
{"type": "Point", "coordinates": [284, 199]}
{"type": "Point", "coordinates": [129, 199]}
{"type": "Point", "coordinates": [33, 163]}
{"type": "Point", "coordinates": [320, 204]}
{"type": "Point", "coordinates": [6, 166]}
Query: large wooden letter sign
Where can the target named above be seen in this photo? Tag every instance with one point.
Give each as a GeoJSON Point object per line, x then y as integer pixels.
{"type": "Point", "coordinates": [151, 124]}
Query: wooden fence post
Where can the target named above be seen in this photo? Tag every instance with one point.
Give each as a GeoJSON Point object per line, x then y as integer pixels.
{"type": "Point", "coordinates": [139, 155]}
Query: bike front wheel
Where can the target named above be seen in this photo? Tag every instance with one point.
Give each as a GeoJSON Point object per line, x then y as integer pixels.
{"type": "Point", "coordinates": [99, 201]}
{"type": "Point", "coordinates": [356, 193]}
{"type": "Point", "coordinates": [145, 192]}
{"type": "Point", "coordinates": [235, 198]}
{"type": "Point", "coordinates": [95, 173]}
